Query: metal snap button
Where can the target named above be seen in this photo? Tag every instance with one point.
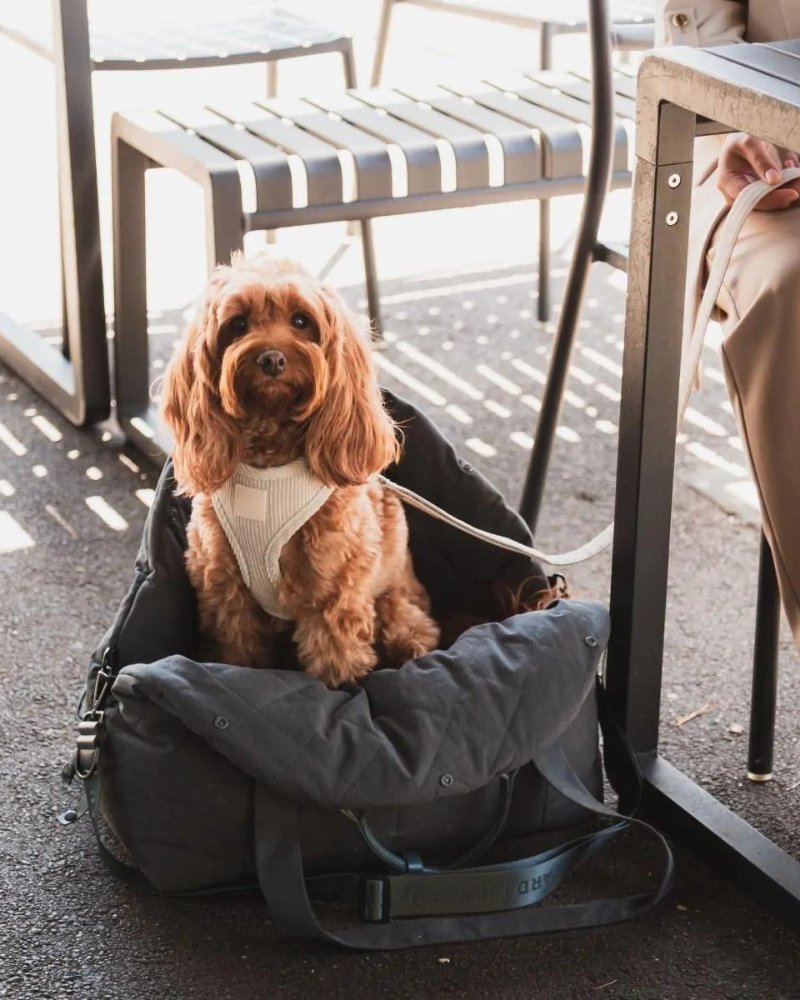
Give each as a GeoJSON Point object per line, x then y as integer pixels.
{"type": "Point", "coordinates": [590, 641]}
{"type": "Point", "coordinates": [446, 780]}
{"type": "Point", "coordinates": [221, 722]}
{"type": "Point", "coordinates": [680, 20]}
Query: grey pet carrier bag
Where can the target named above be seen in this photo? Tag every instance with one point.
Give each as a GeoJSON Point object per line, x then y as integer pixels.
{"type": "Point", "coordinates": [383, 798]}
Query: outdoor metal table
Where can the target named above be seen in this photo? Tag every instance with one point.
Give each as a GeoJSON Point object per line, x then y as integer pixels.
{"type": "Point", "coordinates": [681, 93]}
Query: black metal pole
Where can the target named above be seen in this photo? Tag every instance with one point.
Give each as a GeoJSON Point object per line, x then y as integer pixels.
{"type": "Point", "coordinates": [764, 695]}
{"type": "Point", "coordinates": [597, 181]}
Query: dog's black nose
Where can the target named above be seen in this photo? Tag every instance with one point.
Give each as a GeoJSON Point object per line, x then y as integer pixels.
{"type": "Point", "coordinates": [272, 362]}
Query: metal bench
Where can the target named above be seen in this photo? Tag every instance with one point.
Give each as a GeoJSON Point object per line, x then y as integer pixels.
{"type": "Point", "coordinates": [437, 148]}
{"type": "Point", "coordinates": [683, 93]}
{"type": "Point", "coordinates": [75, 379]}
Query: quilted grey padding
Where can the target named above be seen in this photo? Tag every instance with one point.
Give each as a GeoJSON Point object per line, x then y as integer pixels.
{"type": "Point", "coordinates": [441, 725]}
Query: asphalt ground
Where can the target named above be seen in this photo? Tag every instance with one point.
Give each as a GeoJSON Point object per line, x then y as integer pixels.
{"type": "Point", "coordinates": [68, 929]}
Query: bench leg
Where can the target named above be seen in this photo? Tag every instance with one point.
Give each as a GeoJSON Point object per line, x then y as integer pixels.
{"type": "Point", "coordinates": [543, 301]}
{"type": "Point", "coordinates": [137, 415]}
{"type": "Point", "coordinates": [763, 700]}
{"type": "Point", "coordinates": [380, 44]}
{"type": "Point", "coordinates": [131, 353]}
{"type": "Point", "coordinates": [367, 241]}
{"type": "Point", "coordinates": [224, 223]}
{"type": "Point", "coordinates": [545, 46]}
{"type": "Point", "coordinates": [271, 236]}
{"type": "Point", "coordinates": [371, 279]}
{"type": "Point", "coordinates": [272, 78]}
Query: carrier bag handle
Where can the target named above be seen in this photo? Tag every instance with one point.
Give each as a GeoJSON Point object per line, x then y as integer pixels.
{"type": "Point", "coordinates": [745, 202]}
{"type": "Point", "coordinates": [410, 861]}
{"type": "Point", "coordinates": [489, 902]}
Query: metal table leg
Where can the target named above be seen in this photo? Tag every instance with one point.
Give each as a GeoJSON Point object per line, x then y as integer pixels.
{"type": "Point", "coordinates": [648, 417]}
{"type": "Point", "coordinates": [648, 423]}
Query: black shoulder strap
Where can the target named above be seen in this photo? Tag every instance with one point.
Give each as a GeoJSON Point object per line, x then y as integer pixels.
{"type": "Point", "coordinates": [489, 902]}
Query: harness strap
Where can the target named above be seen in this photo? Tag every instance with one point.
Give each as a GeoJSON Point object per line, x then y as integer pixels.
{"type": "Point", "coordinates": [735, 219]}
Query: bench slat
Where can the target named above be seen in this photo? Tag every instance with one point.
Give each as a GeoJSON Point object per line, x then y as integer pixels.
{"type": "Point", "coordinates": [373, 166]}
{"type": "Point", "coordinates": [320, 159]}
{"type": "Point", "coordinates": [561, 140]}
{"type": "Point", "coordinates": [421, 154]}
{"type": "Point", "coordinates": [178, 147]}
{"type": "Point", "coordinates": [573, 108]}
{"type": "Point", "coordinates": [624, 107]}
{"type": "Point", "coordinates": [471, 154]}
{"type": "Point", "coordinates": [270, 165]}
{"type": "Point", "coordinates": [522, 153]}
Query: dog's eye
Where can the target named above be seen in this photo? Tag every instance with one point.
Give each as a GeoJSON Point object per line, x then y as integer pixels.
{"type": "Point", "coordinates": [300, 321]}
{"type": "Point", "coordinates": [237, 325]}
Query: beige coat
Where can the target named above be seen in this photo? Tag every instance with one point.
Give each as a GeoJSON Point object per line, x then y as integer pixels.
{"type": "Point", "coordinates": [720, 22]}
{"type": "Point", "coordinates": [707, 23]}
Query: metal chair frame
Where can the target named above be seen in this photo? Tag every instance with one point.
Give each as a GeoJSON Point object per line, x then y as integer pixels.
{"type": "Point", "coordinates": [75, 379]}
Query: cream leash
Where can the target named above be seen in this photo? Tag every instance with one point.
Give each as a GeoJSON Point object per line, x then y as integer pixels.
{"type": "Point", "coordinates": [735, 219]}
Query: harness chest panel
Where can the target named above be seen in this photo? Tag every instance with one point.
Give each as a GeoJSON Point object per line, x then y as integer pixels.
{"type": "Point", "coordinates": [260, 510]}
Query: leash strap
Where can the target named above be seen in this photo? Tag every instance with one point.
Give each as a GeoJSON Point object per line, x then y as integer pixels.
{"type": "Point", "coordinates": [735, 219]}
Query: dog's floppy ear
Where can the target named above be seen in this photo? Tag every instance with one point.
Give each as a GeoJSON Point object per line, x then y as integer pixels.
{"type": "Point", "coordinates": [350, 436]}
{"type": "Point", "coordinates": [208, 442]}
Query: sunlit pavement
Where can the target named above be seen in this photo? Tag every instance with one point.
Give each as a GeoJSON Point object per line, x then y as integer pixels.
{"type": "Point", "coordinates": [460, 340]}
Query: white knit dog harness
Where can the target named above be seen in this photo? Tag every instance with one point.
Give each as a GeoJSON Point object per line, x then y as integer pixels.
{"type": "Point", "coordinates": [260, 510]}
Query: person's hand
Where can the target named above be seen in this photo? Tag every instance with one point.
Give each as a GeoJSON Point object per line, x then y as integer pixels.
{"type": "Point", "coordinates": [745, 159]}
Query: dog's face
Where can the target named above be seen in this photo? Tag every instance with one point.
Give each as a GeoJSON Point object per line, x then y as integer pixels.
{"type": "Point", "coordinates": [274, 353]}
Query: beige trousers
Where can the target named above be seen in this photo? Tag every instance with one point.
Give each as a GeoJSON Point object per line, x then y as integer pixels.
{"type": "Point", "coordinates": [759, 309]}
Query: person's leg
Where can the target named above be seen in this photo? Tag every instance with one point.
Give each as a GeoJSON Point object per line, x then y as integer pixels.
{"type": "Point", "coordinates": [760, 307]}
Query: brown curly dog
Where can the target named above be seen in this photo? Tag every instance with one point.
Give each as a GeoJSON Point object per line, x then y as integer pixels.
{"type": "Point", "coordinates": [274, 371]}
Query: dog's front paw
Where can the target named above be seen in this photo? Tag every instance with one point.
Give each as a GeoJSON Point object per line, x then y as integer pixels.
{"type": "Point", "coordinates": [406, 641]}
{"type": "Point", "coordinates": [344, 669]}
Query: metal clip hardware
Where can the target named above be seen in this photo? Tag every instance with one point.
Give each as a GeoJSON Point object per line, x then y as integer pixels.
{"type": "Point", "coordinates": [87, 753]}
{"type": "Point", "coordinates": [374, 900]}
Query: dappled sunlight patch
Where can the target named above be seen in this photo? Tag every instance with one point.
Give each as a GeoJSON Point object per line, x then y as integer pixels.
{"type": "Point", "coordinates": [50, 431]}
{"type": "Point", "coordinates": [481, 447]}
{"type": "Point", "coordinates": [98, 505]}
{"type": "Point", "coordinates": [14, 445]}
{"type": "Point", "coordinates": [13, 537]}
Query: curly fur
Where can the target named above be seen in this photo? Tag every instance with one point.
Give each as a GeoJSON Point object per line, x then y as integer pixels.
{"type": "Point", "coordinates": [347, 576]}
